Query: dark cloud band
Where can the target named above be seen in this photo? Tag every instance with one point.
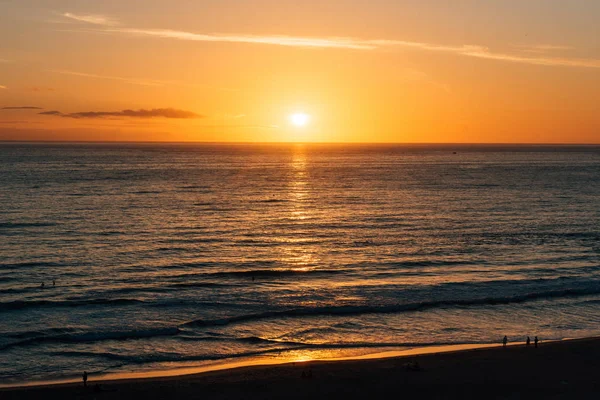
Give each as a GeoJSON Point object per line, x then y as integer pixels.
{"type": "Point", "coordinates": [153, 113]}
{"type": "Point", "coordinates": [21, 108]}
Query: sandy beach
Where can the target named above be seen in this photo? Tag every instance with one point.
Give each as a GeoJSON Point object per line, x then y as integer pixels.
{"type": "Point", "coordinates": [554, 370]}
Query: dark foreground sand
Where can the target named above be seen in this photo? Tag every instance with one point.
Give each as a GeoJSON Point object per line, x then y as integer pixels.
{"type": "Point", "coordinates": [559, 370]}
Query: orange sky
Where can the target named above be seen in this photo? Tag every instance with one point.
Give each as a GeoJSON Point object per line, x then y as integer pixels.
{"type": "Point", "coordinates": [235, 70]}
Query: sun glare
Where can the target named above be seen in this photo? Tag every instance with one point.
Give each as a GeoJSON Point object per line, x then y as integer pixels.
{"type": "Point", "coordinates": [299, 119]}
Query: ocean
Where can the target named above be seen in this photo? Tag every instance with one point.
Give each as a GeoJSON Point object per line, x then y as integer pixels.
{"type": "Point", "coordinates": [158, 256]}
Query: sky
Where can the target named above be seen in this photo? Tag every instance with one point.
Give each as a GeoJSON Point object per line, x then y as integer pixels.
{"type": "Point", "coordinates": [392, 71]}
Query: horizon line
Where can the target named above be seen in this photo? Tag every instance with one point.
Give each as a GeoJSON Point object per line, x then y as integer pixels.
{"type": "Point", "coordinates": [306, 143]}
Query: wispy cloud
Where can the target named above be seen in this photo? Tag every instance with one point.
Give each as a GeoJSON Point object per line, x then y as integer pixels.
{"type": "Point", "coordinates": [3, 87]}
{"type": "Point", "coordinates": [485, 53]}
{"type": "Point", "coordinates": [474, 51]}
{"type": "Point", "coordinates": [91, 19]}
{"type": "Point", "coordinates": [541, 48]}
{"type": "Point", "coordinates": [21, 108]}
{"type": "Point", "coordinates": [153, 113]}
{"type": "Point", "coordinates": [545, 61]}
{"type": "Point", "coordinates": [347, 43]}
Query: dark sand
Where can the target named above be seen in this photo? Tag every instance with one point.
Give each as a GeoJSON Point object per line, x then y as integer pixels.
{"type": "Point", "coordinates": [558, 370]}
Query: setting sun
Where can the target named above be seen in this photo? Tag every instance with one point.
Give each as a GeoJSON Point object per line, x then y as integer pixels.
{"type": "Point", "coordinates": [299, 119]}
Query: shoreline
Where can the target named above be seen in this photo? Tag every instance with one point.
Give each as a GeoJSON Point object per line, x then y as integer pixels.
{"type": "Point", "coordinates": [258, 362]}
{"type": "Point", "coordinates": [556, 369]}
{"type": "Point", "coordinates": [232, 364]}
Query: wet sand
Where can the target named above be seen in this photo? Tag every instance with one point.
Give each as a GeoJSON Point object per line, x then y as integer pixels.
{"type": "Point", "coordinates": [557, 370]}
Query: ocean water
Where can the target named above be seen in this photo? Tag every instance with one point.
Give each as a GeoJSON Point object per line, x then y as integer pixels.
{"type": "Point", "coordinates": [166, 255]}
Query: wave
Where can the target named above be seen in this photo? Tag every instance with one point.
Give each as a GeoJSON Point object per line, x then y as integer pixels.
{"type": "Point", "coordinates": [250, 272]}
{"type": "Point", "coordinates": [163, 288]}
{"type": "Point", "coordinates": [85, 337]}
{"type": "Point", "coordinates": [161, 358]}
{"type": "Point", "coordinates": [23, 304]}
{"type": "Point", "coordinates": [272, 201]}
{"type": "Point", "coordinates": [31, 264]}
{"type": "Point", "coordinates": [19, 290]}
{"type": "Point", "coordinates": [430, 263]}
{"type": "Point", "coordinates": [395, 308]}
{"type": "Point", "coordinates": [189, 285]}
{"type": "Point", "coordinates": [171, 357]}
{"type": "Point", "coordinates": [276, 272]}
{"type": "Point", "coordinates": [348, 345]}
{"type": "Point", "coordinates": [146, 192]}
{"type": "Point", "coordinates": [17, 225]}
{"type": "Point", "coordinates": [194, 187]}
{"type": "Point", "coordinates": [43, 332]}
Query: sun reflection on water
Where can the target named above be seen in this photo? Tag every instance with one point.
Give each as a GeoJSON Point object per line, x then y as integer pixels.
{"type": "Point", "coordinates": [298, 253]}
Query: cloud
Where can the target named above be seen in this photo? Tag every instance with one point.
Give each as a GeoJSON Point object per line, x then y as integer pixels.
{"type": "Point", "coordinates": [153, 113]}
{"type": "Point", "coordinates": [542, 48]}
{"type": "Point", "coordinates": [545, 61]}
{"type": "Point", "coordinates": [3, 87]}
{"type": "Point", "coordinates": [91, 19]}
{"type": "Point", "coordinates": [485, 53]}
{"type": "Point", "coordinates": [347, 43]}
{"type": "Point", "coordinates": [21, 108]}
{"type": "Point", "coordinates": [474, 51]}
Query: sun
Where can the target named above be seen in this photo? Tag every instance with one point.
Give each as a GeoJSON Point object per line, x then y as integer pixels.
{"type": "Point", "coordinates": [299, 119]}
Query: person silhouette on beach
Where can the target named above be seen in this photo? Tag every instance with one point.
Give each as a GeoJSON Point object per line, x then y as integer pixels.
{"type": "Point", "coordinates": [84, 378]}
{"type": "Point", "coordinates": [528, 341]}
{"type": "Point", "coordinates": [504, 341]}
{"type": "Point", "coordinates": [535, 341]}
